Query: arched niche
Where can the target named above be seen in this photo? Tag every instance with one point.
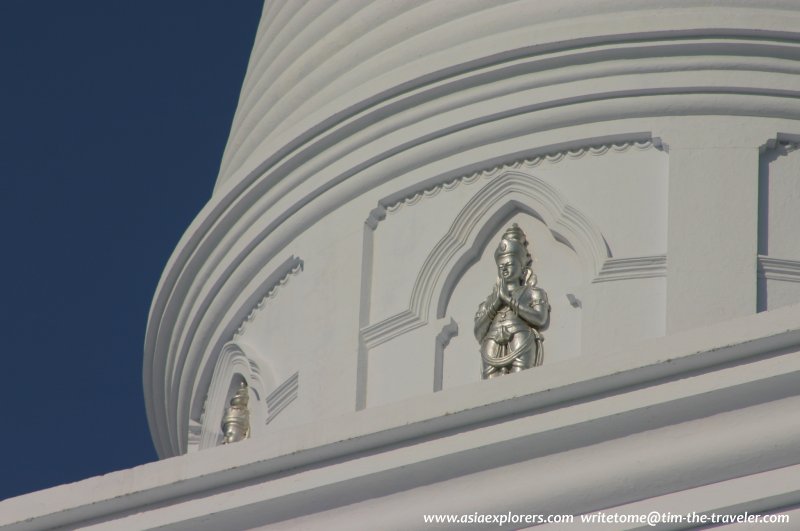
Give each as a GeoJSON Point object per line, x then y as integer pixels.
{"type": "Point", "coordinates": [235, 364]}
{"type": "Point", "coordinates": [459, 272]}
{"type": "Point", "coordinates": [558, 270]}
{"type": "Point", "coordinates": [435, 331]}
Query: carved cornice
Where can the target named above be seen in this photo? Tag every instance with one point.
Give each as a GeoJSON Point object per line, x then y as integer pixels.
{"type": "Point", "coordinates": [282, 396]}
{"type": "Point", "coordinates": [783, 269]}
{"type": "Point", "coordinates": [290, 268]}
{"type": "Point", "coordinates": [634, 267]}
{"type": "Point", "coordinates": [414, 195]}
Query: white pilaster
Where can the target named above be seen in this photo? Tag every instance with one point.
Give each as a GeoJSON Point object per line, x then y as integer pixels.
{"type": "Point", "coordinates": [713, 222]}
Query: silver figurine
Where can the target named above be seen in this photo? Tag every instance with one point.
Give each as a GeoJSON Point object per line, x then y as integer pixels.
{"type": "Point", "coordinates": [236, 422]}
{"type": "Point", "coordinates": [509, 321]}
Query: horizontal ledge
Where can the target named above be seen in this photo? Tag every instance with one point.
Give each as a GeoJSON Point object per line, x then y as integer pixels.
{"type": "Point", "coordinates": [633, 267]}
{"type": "Point", "coordinates": [772, 491]}
{"type": "Point", "coordinates": [565, 385]}
{"type": "Point", "coordinates": [560, 467]}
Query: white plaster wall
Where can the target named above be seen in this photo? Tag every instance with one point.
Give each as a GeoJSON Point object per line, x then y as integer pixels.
{"type": "Point", "coordinates": [780, 205]}
{"type": "Point", "coordinates": [401, 369]}
{"type": "Point", "coordinates": [351, 108]}
{"type": "Point", "coordinates": [695, 421]}
{"type": "Point", "coordinates": [779, 219]}
{"type": "Point", "coordinates": [623, 185]}
{"type": "Point", "coordinates": [310, 325]}
{"type": "Point", "coordinates": [403, 241]}
{"type": "Point", "coordinates": [623, 189]}
{"type": "Point", "coordinates": [621, 313]}
{"type": "Point", "coordinates": [639, 145]}
{"type": "Point", "coordinates": [314, 61]}
{"type": "Point", "coordinates": [780, 293]}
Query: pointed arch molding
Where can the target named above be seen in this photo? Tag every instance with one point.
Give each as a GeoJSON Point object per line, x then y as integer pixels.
{"type": "Point", "coordinates": [508, 191]}
{"type": "Point", "coordinates": [511, 191]}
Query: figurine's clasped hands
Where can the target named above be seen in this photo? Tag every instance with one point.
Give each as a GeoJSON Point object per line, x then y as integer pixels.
{"type": "Point", "coordinates": [505, 293]}
{"type": "Point", "coordinates": [497, 296]}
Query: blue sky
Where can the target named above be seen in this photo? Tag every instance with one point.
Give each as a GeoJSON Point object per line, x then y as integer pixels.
{"type": "Point", "coordinates": [113, 118]}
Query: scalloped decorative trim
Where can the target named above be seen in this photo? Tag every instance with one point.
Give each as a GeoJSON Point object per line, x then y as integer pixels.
{"type": "Point", "coordinates": [294, 267]}
{"type": "Point", "coordinates": [415, 196]}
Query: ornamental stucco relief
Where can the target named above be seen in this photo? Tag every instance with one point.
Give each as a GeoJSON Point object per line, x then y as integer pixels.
{"type": "Point", "coordinates": [448, 227]}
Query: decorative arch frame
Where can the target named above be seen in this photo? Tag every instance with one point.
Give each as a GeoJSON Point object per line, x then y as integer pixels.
{"type": "Point", "coordinates": [510, 192]}
{"type": "Point", "coordinates": [233, 365]}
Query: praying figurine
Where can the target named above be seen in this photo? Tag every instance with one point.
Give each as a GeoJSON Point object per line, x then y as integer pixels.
{"type": "Point", "coordinates": [509, 321]}
{"type": "Point", "coordinates": [236, 422]}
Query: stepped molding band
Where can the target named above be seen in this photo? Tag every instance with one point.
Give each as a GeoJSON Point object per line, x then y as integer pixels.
{"type": "Point", "coordinates": [282, 396]}
{"type": "Point", "coordinates": [634, 267]}
{"type": "Point", "coordinates": [784, 269]}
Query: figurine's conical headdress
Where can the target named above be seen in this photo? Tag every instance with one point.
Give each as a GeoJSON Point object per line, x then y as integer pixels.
{"type": "Point", "coordinates": [242, 397]}
{"type": "Point", "coordinates": [514, 242]}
